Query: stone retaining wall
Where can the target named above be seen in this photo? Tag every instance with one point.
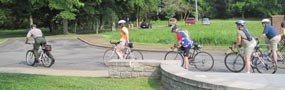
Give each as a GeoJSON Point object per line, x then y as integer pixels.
{"type": "Point", "coordinates": [134, 68]}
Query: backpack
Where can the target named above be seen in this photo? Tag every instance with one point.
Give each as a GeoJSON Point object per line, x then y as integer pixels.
{"type": "Point", "coordinates": [247, 34]}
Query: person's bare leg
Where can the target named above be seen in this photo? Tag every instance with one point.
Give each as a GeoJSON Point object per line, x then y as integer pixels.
{"type": "Point", "coordinates": [247, 63]}
{"type": "Point", "coordinates": [186, 63]}
{"type": "Point", "coordinates": [119, 53]}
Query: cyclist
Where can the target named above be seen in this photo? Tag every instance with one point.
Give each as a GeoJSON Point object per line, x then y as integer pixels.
{"type": "Point", "coordinates": [124, 39]}
{"type": "Point", "coordinates": [183, 40]}
{"type": "Point", "coordinates": [37, 35]}
{"type": "Point", "coordinates": [246, 40]}
{"type": "Point", "coordinates": [283, 32]}
{"type": "Point", "coordinates": [272, 35]}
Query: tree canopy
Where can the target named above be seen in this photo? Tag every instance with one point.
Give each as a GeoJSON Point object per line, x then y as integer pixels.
{"type": "Point", "coordinates": [96, 14]}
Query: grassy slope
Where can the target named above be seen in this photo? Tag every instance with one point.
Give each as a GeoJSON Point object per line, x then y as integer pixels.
{"type": "Point", "coordinates": [219, 32]}
{"type": "Point", "coordinates": [38, 82]}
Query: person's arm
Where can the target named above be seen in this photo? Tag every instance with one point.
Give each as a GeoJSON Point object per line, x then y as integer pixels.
{"type": "Point", "coordinates": [238, 42]}
{"type": "Point", "coordinates": [28, 36]}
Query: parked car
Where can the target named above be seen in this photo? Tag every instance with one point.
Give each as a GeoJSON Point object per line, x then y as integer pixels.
{"type": "Point", "coordinates": [190, 21]}
{"type": "Point", "coordinates": [146, 24]}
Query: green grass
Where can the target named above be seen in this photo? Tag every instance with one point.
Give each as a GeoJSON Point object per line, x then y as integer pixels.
{"type": "Point", "coordinates": [39, 82]}
{"type": "Point", "coordinates": [219, 32]}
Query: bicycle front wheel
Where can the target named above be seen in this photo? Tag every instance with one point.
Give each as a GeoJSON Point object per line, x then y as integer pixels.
{"type": "Point", "coordinates": [135, 55]}
{"type": "Point", "coordinates": [265, 66]}
{"type": "Point", "coordinates": [30, 58]}
{"type": "Point", "coordinates": [172, 55]}
{"type": "Point", "coordinates": [47, 59]}
{"type": "Point", "coordinates": [203, 61]}
{"type": "Point", "coordinates": [234, 62]}
{"type": "Point", "coordinates": [109, 54]}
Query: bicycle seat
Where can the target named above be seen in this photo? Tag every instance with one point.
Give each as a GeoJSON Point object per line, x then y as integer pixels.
{"type": "Point", "coordinates": [116, 43]}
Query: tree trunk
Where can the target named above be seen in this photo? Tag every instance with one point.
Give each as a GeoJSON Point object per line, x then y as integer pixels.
{"type": "Point", "coordinates": [97, 25]}
{"type": "Point", "coordinates": [65, 26]}
{"type": "Point", "coordinates": [31, 20]}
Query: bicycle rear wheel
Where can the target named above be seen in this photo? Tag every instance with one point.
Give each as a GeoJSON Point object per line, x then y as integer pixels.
{"type": "Point", "coordinates": [265, 66]}
{"type": "Point", "coordinates": [30, 58]}
{"type": "Point", "coordinates": [135, 55]}
{"type": "Point", "coordinates": [203, 61]}
{"type": "Point", "coordinates": [234, 62]}
{"type": "Point", "coordinates": [172, 55]}
{"type": "Point", "coordinates": [47, 59]}
{"type": "Point", "coordinates": [109, 54]}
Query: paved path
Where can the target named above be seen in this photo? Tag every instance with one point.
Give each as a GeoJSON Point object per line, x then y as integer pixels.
{"type": "Point", "coordinates": [73, 54]}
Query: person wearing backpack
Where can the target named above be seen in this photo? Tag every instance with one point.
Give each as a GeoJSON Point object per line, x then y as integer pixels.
{"type": "Point", "coordinates": [245, 39]}
{"type": "Point", "coordinates": [272, 35]}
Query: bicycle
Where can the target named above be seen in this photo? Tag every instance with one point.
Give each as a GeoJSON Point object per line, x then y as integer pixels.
{"type": "Point", "coordinates": [45, 56]}
{"type": "Point", "coordinates": [129, 53]}
{"type": "Point", "coordinates": [234, 60]}
{"type": "Point", "coordinates": [201, 60]}
{"type": "Point", "coordinates": [263, 62]}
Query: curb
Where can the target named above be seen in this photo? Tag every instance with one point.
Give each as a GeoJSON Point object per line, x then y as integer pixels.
{"type": "Point", "coordinates": [99, 45]}
{"type": "Point", "coordinates": [5, 40]}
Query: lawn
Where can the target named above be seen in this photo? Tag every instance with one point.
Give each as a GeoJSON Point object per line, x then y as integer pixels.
{"type": "Point", "coordinates": [40, 82]}
{"type": "Point", "coordinates": [219, 32]}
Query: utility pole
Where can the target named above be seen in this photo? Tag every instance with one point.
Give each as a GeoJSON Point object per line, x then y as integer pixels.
{"type": "Point", "coordinates": [196, 8]}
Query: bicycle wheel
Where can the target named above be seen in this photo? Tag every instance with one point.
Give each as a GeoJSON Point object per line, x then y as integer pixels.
{"type": "Point", "coordinates": [203, 61]}
{"type": "Point", "coordinates": [135, 55]}
{"type": "Point", "coordinates": [30, 58]}
{"type": "Point", "coordinates": [47, 59]}
{"type": "Point", "coordinates": [234, 62]}
{"type": "Point", "coordinates": [265, 66]}
{"type": "Point", "coordinates": [172, 55]}
{"type": "Point", "coordinates": [109, 54]}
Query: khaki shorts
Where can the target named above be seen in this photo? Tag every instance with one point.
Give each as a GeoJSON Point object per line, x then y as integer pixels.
{"type": "Point", "coordinates": [121, 45]}
{"type": "Point", "coordinates": [248, 49]}
{"type": "Point", "coordinates": [274, 42]}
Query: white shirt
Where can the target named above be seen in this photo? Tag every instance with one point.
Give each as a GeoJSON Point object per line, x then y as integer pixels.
{"type": "Point", "coordinates": [35, 32]}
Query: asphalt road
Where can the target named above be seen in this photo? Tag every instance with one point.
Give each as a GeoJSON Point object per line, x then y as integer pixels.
{"type": "Point", "coordinates": [76, 55]}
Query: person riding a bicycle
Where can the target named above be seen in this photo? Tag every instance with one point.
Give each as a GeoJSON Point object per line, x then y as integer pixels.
{"type": "Point", "coordinates": [37, 35]}
{"type": "Point", "coordinates": [272, 35]}
{"type": "Point", "coordinates": [183, 40]}
{"type": "Point", "coordinates": [245, 39]}
{"type": "Point", "coordinates": [124, 38]}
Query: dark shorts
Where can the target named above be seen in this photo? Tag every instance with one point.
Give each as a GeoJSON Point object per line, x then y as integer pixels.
{"type": "Point", "coordinates": [186, 50]}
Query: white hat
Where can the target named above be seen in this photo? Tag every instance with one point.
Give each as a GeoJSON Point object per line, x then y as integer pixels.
{"type": "Point", "coordinates": [121, 21]}
{"type": "Point", "coordinates": [265, 20]}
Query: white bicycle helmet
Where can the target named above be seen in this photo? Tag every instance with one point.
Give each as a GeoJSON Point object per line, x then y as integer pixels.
{"type": "Point", "coordinates": [240, 22]}
{"type": "Point", "coordinates": [121, 22]}
{"type": "Point", "coordinates": [265, 20]}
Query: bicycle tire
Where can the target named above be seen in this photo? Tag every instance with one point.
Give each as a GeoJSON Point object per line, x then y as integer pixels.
{"type": "Point", "coordinates": [172, 55]}
{"type": "Point", "coordinates": [109, 54]}
{"type": "Point", "coordinates": [30, 58]}
{"type": "Point", "coordinates": [281, 63]}
{"type": "Point", "coordinates": [203, 61]}
{"type": "Point", "coordinates": [47, 59]}
{"type": "Point", "coordinates": [234, 62]}
{"type": "Point", "coordinates": [135, 55]}
{"type": "Point", "coordinates": [262, 68]}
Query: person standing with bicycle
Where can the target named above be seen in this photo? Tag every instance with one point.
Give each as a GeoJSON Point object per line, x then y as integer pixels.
{"type": "Point", "coordinates": [124, 39]}
{"type": "Point", "coordinates": [183, 40]}
{"type": "Point", "coordinates": [245, 39]}
{"type": "Point", "coordinates": [272, 35]}
{"type": "Point", "coordinates": [37, 35]}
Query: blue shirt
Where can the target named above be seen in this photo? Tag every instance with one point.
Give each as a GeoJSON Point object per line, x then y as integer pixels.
{"type": "Point", "coordinates": [270, 31]}
{"type": "Point", "coordinates": [185, 41]}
